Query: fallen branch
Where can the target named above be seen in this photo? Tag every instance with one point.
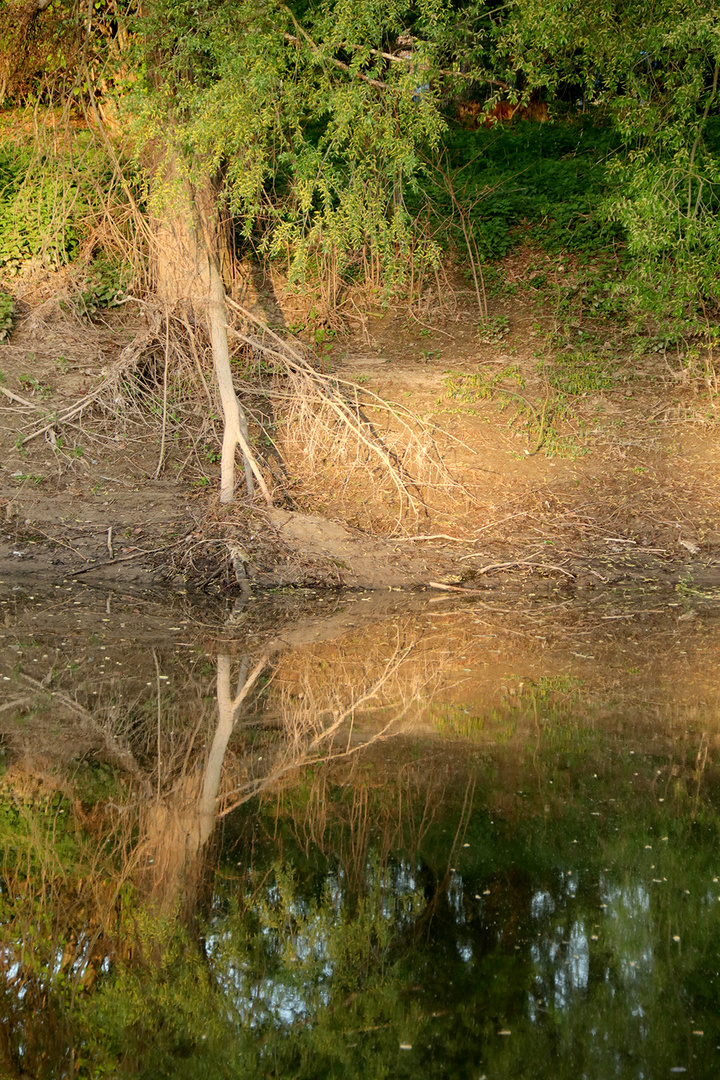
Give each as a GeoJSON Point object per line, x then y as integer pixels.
{"type": "Point", "coordinates": [502, 566]}
{"type": "Point", "coordinates": [20, 400]}
{"type": "Point", "coordinates": [435, 536]}
{"type": "Point", "coordinates": [128, 358]}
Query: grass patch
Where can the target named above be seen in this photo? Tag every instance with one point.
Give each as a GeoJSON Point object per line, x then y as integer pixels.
{"type": "Point", "coordinates": [543, 183]}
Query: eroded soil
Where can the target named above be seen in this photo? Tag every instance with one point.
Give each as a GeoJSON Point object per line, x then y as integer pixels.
{"type": "Point", "coordinates": [613, 484]}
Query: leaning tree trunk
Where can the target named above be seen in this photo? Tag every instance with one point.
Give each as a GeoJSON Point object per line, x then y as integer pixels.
{"type": "Point", "coordinates": [175, 829]}
{"type": "Point", "coordinates": [190, 242]}
{"type": "Point", "coordinates": [235, 430]}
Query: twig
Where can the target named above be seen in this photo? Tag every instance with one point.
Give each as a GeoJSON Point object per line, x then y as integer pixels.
{"type": "Point", "coordinates": [433, 536]}
{"type": "Point", "coordinates": [20, 400]}
{"type": "Point", "coordinates": [455, 589]}
{"type": "Point", "coordinates": [127, 357]}
{"type": "Point", "coordinates": [124, 558]}
{"type": "Point", "coordinates": [504, 566]}
{"type": "Point", "coordinates": [196, 360]}
{"type": "Point", "coordinates": [159, 718]}
{"type": "Point", "coordinates": [337, 63]}
{"type": "Point", "coordinates": [161, 457]}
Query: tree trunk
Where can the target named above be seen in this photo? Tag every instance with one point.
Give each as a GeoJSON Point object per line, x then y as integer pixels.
{"type": "Point", "coordinates": [235, 429]}
{"type": "Point", "coordinates": [190, 242]}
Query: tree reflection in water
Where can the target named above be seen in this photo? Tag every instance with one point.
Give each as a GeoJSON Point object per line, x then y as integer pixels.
{"type": "Point", "coordinates": [543, 903]}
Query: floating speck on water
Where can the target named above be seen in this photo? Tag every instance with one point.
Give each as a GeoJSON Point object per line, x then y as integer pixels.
{"type": "Point", "coordinates": [505, 1032]}
{"type": "Point", "coordinates": [698, 1032]}
{"type": "Point", "coordinates": [593, 937]}
{"type": "Point", "coordinates": [648, 847]}
{"type": "Point", "coordinates": [676, 937]}
{"type": "Point", "coordinates": [406, 1046]}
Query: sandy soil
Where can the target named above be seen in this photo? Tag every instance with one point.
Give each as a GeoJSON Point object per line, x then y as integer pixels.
{"type": "Point", "coordinates": [620, 488]}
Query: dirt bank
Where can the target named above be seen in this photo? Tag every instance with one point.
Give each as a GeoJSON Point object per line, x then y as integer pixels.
{"type": "Point", "coordinates": [608, 477]}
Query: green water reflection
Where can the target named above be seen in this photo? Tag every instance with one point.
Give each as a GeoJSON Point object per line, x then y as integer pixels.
{"type": "Point", "coordinates": [449, 937]}
{"type": "Point", "coordinates": [528, 889]}
{"type": "Point", "coordinates": [582, 942]}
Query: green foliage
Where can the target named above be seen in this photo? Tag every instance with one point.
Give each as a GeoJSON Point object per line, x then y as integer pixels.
{"type": "Point", "coordinates": [7, 313]}
{"type": "Point", "coordinates": [580, 373]}
{"type": "Point", "coordinates": [94, 782]}
{"type": "Point", "coordinates": [323, 128]}
{"type": "Point", "coordinates": [33, 221]}
{"type": "Point", "coordinates": [51, 200]}
{"type": "Point", "coordinates": [542, 422]}
{"type": "Point", "coordinates": [653, 69]}
{"type": "Point", "coordinates": [484, 385]}
{"type": "Point", "coordinates": [103, 285]}
{"type": "Point", "coordinates": [563, 891]}
{"type": "Point", "coordinates": [317, 143]}
{"type": "Point", "coordinates": [35, 834]}
{"type": "Point", "coordinates": [277, 959]}
{"type": "Point", "coordinates": [54, 50]}
{"type": "Point", "coordinates": [536, 183]}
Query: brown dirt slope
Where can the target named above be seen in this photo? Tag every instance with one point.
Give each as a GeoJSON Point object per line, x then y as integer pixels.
{"type": "Point", "coordinates": [614, 479]}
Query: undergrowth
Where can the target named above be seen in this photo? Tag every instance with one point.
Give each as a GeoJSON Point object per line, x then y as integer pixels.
{"type": "Point", "coordinates": [7, 314]}
{"type": "Point", "coordinates": [68, 200]}
{"type": "Point", "coordinates": [551, 424]}
{"type": "Point", "coordinates": [532, 182]}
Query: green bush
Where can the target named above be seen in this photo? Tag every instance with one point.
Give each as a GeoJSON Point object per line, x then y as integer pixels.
{"type": "Point", "coordinates": [7, 314]}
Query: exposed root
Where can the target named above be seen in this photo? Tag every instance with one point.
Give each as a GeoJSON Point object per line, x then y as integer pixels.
{"type": "Point", "coordinates": [326, 429]}
{"type": "Point", "coordinates": [316, 427]}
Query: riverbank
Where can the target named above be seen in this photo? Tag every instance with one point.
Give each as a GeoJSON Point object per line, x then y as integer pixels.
{"type": "Point", "coordinates": [578, 466]}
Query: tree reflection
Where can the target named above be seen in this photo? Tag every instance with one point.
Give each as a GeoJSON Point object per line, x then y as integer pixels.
{"type": "Point", "coordinates": [91, 890]}
{"type": "Point", "coordinates": [366, 907]}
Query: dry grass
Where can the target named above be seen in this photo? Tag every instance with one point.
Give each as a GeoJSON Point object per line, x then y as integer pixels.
{"type": "Point", "coordinates": [321, 434]}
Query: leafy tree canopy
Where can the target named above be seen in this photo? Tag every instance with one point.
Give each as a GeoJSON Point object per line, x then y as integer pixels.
{"type": "Point", "coordinates": [318, 119]}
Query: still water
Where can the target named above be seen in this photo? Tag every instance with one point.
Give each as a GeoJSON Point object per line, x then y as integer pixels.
{"type": "Point", "coordinates": [359, 836]}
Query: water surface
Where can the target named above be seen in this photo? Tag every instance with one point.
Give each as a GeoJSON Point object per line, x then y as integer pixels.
{"type": "Point", "coordinates": [312, 836]}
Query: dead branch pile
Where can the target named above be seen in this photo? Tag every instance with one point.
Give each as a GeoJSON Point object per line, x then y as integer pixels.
{"type": "Point", "coordinates": [324, 438]}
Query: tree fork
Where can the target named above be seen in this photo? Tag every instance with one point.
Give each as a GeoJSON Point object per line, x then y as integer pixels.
{"type": "Point", "coordinates": [235, 428]}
